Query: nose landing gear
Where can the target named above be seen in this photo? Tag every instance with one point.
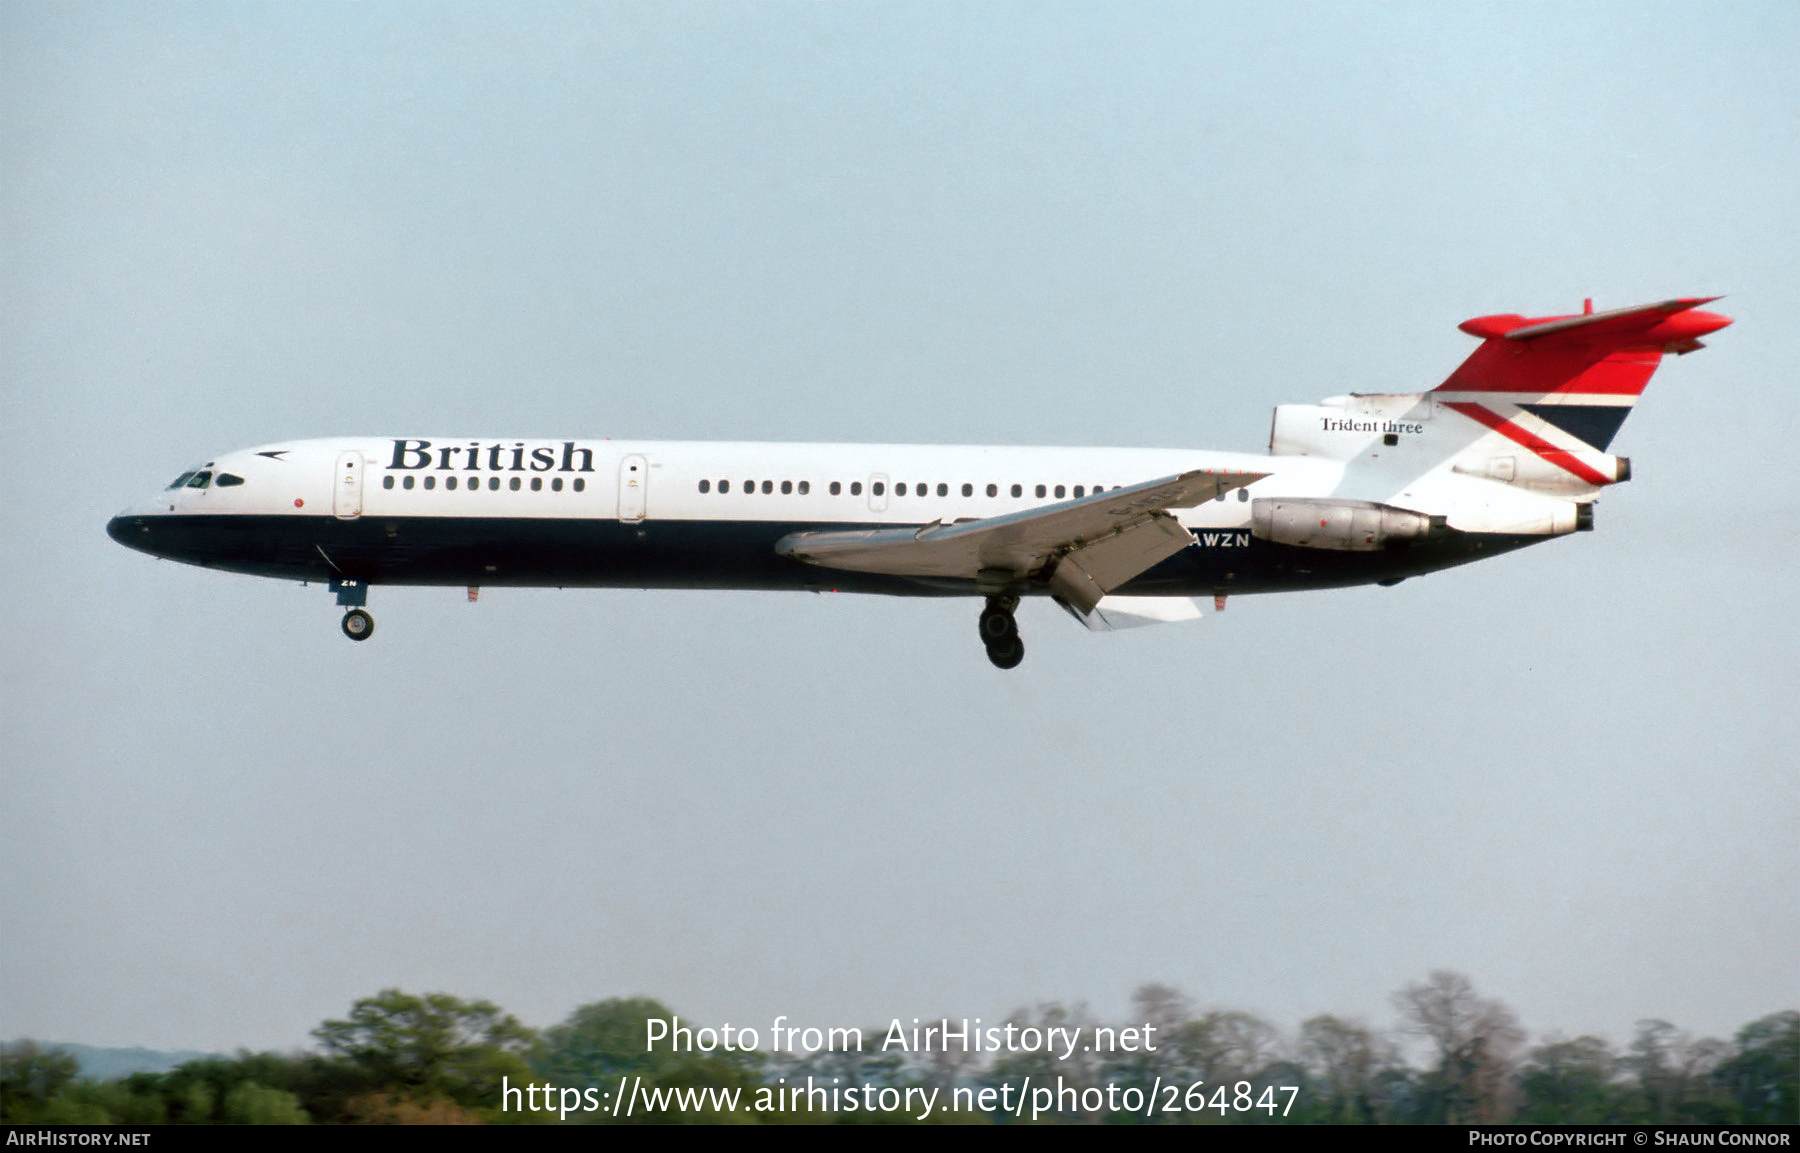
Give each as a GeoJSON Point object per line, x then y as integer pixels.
{"type": "Point", "coordinates": [1000, 632]}
{"type": "Point", "coordinates": [353, 595]}
{"type": "Point", "coordinates": [358, 625]}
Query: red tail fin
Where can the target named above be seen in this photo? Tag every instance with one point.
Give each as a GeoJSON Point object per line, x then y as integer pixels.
{"type": "Point", "coordinates": [1580, 373]}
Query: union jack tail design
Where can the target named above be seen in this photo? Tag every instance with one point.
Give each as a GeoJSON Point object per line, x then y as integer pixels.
{"type": "Point", "coordinates": [1561, 386]}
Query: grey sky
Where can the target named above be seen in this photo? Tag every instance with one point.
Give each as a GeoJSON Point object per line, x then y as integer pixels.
{"type": "Point", "coordinates": [1570, 773]}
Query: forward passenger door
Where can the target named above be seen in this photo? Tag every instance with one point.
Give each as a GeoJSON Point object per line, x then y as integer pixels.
{"type": "Point", "coordinates": [634, 478]}
{"type": "Point", "coordinates": [347, 486]}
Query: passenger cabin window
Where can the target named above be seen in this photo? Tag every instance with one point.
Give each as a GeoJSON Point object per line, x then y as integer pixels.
{"type": "Point", "coordinates": [856, 488]}
{"type": "Point", "coordinates": [386, 481]}
{"type": "Point", "coordinates": [836, 489]}
{"type": "Point", "coordinates": [877, 488]}
{"type": "Point", "coordinates": [450, 483]}
{"type": "Point", "coordinates": [706, 486]}
{"type": "Point", "coordinates": [805, 487]}
{"type": "Point", "coordinates": [580, 484]}
{"type": "Point", "coordinates": [430, 483]}
{"type": "Point", "coordinates": [787, 488]}
{"type": "Point", "coordinates": [724, 486]}
{"type": "Point", "coordinates": [556, 484]}
{"type": "Point", "coordinates": [1040, 490]}
{"type": "Point", "coordinates": [408, 482]}
{"type": "Point", "coordinates": [993, 490]}
{"type": "Point", "coordinates": [1018, 490]}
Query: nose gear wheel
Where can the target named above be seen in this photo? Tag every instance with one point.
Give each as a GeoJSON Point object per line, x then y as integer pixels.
{"type": "Point", "coordinates": [358, 625]}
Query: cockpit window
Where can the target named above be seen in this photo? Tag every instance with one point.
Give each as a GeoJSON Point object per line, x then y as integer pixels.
{"type": "Point", "coordinates": [200, 479]}
{"type": "Point", "coordinates": [181, 480]}
{"type": "Point", "coordinates": [227, 480]}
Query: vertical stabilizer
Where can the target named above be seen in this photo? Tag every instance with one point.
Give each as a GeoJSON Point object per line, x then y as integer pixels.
{"type": "Point", "coordinates": [1566, 383]}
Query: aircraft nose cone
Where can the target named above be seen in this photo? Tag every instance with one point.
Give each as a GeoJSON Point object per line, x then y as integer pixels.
{"type": "Point", "coordinates": [131, 531]}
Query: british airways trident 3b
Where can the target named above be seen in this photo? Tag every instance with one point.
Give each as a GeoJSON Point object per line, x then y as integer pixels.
{"type": "Point", "coordinates": [1509, 451]}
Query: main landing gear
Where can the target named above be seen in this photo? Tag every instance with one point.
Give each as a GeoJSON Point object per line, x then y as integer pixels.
{"type": "Point", "coordinates": [353, 595]}
{"type": "Point", "coordinates": [1000, 632]}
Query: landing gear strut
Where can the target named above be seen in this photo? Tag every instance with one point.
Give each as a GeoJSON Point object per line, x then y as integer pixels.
{"type": "Point", "coordinates": [1000, 632]}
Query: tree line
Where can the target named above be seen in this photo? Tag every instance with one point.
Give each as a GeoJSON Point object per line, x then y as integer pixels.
{"type": "Point", "coordinates": [1453, 1056]}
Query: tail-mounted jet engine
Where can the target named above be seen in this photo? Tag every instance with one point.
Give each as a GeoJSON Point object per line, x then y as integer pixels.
{"type": "Point", "coordinates": [1568, 474]}
{"type": "Point", "coordinates": [1345, 525]}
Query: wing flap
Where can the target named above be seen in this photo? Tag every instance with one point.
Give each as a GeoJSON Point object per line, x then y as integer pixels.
{"type": "Point", "coordinates": [1087, 573]}
{"type": "Point", "coordinates": [1115, 613]}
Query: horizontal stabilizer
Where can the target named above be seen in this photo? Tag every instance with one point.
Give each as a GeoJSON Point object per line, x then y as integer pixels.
{"type": "Point", "coordinates": [1647, 325]}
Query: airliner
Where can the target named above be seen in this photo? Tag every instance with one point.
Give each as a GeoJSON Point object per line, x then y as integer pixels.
{"type": "Point", "coordinates": [1509, 451]}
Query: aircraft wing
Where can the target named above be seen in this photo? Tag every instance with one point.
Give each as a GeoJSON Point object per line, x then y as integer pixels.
{"type": "Point", "coordinates": [1084, 548]}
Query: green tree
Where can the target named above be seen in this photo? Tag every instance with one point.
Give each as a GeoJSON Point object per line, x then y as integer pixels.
{"type": "Point", "coordinates": [30, 1076]}
{"type": "Point", "coordinates": [251, 1104]}
{"type": "Point", "coordinates": [1220, 1047]}
{"type": "Point", "coordinates": [606, 1043]}
{"type": "Point", "coordinates": [1044, 1065]}
{"type": "Point", "coordinates": [1351, 1068]}
{"type": "Point", "coordinates": [1164, 1009]}
{"type": "Point", "coordinates": [869, 1065]}
{"type": "Point", "coordinates": [601, 1042]}
{"type": "Point", "coordinates": [1763, 1076]}
{"type": "Point", "coordinates": [1570, 1083]}
{"type": "Point", "coordinates": [435, 1046]}
{"type": "Point", "coordinates": [197, 1092]}
{"type": "Point", "coordinates": [1673, 1071]}
{"type": "Point", "coordinates": [1473, 1040]}
{"type": "Point", "coordinates": [1215, 1050]}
